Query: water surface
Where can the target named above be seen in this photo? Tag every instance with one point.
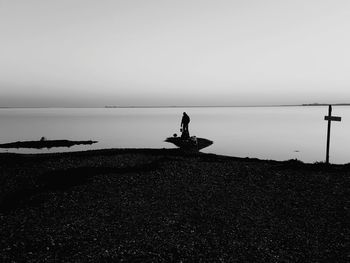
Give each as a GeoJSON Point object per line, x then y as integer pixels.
{"type": "Point", "coordinates": [278, 133]}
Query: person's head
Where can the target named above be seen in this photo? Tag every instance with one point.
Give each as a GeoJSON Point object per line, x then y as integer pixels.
{"type": "Point", "coordinates": [184, 113]}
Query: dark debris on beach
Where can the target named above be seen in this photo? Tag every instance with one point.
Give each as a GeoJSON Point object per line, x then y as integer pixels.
{"type": "Point", "coordinates": [165, 206]}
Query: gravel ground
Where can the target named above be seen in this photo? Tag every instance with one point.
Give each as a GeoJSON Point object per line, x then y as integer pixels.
{"type": "Point", "coordinates": [166, 206]}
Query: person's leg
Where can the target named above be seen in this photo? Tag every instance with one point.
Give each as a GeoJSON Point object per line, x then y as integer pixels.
{"type": "Point", "coordinates": [186, 130]}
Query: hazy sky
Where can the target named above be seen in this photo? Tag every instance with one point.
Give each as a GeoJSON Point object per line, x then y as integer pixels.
{"type": "Point", "coordinates": [162, 52]}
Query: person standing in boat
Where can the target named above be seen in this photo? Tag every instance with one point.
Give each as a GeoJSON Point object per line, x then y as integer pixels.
{"type": "Point", "coordinates": [184, 126]}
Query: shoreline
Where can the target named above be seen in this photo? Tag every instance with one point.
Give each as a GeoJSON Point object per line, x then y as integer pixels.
{"type": "Point", "coordinates": [171, 151]}
{"type": "Point", "coordinates": [161, 205]}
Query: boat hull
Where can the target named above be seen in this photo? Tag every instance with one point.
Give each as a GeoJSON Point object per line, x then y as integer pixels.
{"type": "Point", "coordinates": [190, 144]}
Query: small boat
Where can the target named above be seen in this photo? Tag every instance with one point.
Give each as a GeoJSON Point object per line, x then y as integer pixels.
{"type": "Point", "coordinates": [191, 143]}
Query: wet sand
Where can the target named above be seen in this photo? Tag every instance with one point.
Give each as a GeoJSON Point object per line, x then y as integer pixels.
{"type": "Point", "coordinates": [144, 205]}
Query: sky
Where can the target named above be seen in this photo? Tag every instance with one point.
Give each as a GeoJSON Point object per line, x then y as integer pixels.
{"type": "Point", "coordinates": [91, 53]}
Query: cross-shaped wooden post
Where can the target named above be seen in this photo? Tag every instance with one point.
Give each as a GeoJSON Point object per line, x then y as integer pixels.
{"type": "Point", "coordinates": [330, 118]}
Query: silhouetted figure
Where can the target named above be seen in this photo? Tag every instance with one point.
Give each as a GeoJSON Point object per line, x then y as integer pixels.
{"type": "Point", "coordinates": [184, 126]}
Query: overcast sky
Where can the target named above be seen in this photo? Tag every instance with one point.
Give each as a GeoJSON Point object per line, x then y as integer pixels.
{"type": "Point", "coordinates": [159, 52]}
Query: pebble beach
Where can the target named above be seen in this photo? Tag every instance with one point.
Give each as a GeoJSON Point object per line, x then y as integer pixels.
{"type": "Point", "coordinates": [163, 205]}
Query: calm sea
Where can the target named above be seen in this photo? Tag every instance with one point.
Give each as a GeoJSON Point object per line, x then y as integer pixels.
{"type": "Point", "coordinates": [279, 133]}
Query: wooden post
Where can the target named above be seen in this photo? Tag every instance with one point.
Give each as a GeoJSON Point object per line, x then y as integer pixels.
{"type": "Point", "coordinates": [328, 133]}
{"type": "Point", "coordinates": [329, 118]}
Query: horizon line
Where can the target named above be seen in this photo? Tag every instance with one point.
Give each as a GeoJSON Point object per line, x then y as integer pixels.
{"type": "Point", "coordinates": [141, 106]}
{"type": "Point", "coordinates": [174, 106]}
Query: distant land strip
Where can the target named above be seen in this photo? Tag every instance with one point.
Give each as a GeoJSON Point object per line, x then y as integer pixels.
{"type": "Point", "coordinates": [201, 106]}
{"type": "Point", "coordinates": [183, 106]}
{"type": "Point", "coordinates": [232, 106]}
{"type": "Point", "coordinates": [326, 104]}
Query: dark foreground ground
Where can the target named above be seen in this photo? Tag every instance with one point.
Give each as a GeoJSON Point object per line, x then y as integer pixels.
{"type": "Point", "coordinates": [163, 206]}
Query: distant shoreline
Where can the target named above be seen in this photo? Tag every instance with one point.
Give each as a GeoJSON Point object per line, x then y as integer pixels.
{"type": "Point", "coordinates": [186, 106]}
{"type": "Point", "coordinates": [325, 104]}
{"type": "Point", "coordinates": [243, 106]}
